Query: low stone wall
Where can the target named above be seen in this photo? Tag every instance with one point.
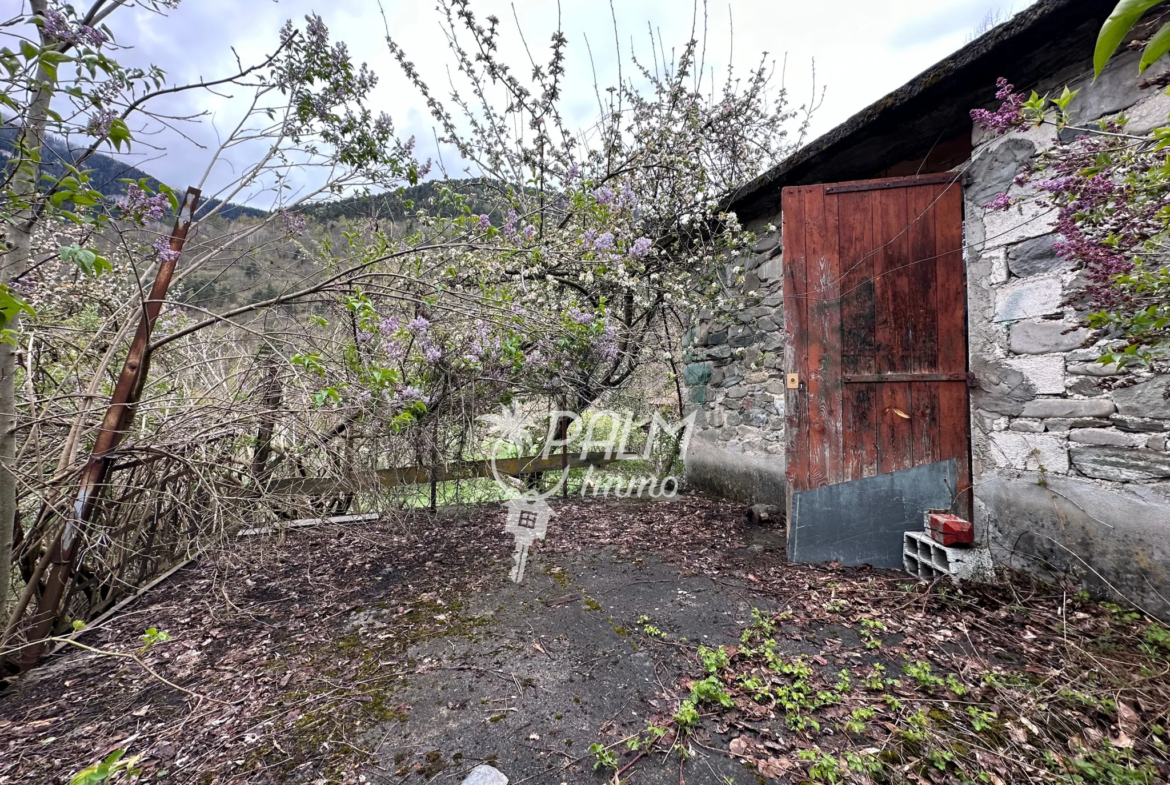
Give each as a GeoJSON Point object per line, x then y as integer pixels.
{"type": "Point", "coordinates": [734, 379]}
{"type": "Point", "coordinates": [1070, 460]}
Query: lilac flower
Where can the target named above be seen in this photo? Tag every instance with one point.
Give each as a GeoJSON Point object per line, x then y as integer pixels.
{"type": "Point", "coordinates": [1000, 202]}
{"type": "Point", "coordinates": [57, 26]}
{"type": "Point", "coordinates": [418, 324]}
{"type": "Point", "coordinates": [604, 242]}
{"type": "Point", "coordinates": [509, 227]}
{"type": "Point", "coordinates": [485, 222]}
{"type": "Point", "coordinates": [409, 394]}
{"type": "Point", "coordinates": [1057, 185]}
{"type": "Point", "coordinates": [604, 195]}
{"type": "Point", "coordinates": [100, 122]}
{"type": "Point", "coordinates": [394, 350]}
{"type": "Point", "coordinates": [529, 232]}
{"type": "Point", "coordinates": [641, 247]}
{"type": "Point", "coordinates": [572, 173]}
{"type": "Point", "coordinates": [388, 325]}
{"type": "Point", "coordinates": [433, 353]}
{"type": "Point", "coordinates": [1010, 112]}
{"type": "Point", "coordinates": [580, 317]}
{"type": "Point", "coordinates": [364, 337]}
{"type": "Point", "coordinates": [317, 32]}
{"type": "Point", "coordinates": [588, 236]}
{"type": "Point", "coordinates": [628, 197]}
{"type": "Point", "coordinates": [162, 248]}
{"type": "Point", "coordinates": [294, 224]}
{"type": "Point", "coordinates": [138, 205]}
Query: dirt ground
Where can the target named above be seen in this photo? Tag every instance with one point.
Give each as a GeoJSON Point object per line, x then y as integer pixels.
{"type": "Point", "coordinates": [653, 642]}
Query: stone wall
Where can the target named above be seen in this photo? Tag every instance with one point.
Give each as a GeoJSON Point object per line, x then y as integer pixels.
{"type": "Point", "coordinates": [1070, 460]}
{"type": "Point", "coordinates": [734, 379]}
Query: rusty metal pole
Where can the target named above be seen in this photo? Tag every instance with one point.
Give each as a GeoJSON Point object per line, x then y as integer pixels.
{"type": "Point", "coordinates": [114, 425]}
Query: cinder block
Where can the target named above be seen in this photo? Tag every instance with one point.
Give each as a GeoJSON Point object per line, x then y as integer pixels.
{"type": "Point", "coordinates": [924, 558]}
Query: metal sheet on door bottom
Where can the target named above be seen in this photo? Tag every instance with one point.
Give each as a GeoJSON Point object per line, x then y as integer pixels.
{"type": "Point", "coordinates": [862, 522]}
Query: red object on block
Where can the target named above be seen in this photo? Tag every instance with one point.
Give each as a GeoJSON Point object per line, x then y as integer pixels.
{"type": "Point", "coordinates": [951, 530]}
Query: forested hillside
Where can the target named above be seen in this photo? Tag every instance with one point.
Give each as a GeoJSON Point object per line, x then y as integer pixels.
{"type": "Point", "coordinates": [106, 173]}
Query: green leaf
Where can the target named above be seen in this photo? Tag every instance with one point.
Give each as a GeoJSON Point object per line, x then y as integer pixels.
{"type": "Point", "coordinates": [12, 306]}
{"type": "Point", "coordinates": [1125, 15]}
{"type": "Point", "coordinates": [1158, 46]}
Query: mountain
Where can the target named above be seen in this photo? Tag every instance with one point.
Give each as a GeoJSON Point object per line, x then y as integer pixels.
{"type": "Point", "coordinates": [105, 172]}
{"type": "Point", "coordinates": [479, 195]}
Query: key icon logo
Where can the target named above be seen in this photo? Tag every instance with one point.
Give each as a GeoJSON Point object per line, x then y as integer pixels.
{"type": "Point", "coordinates": [527, 521]}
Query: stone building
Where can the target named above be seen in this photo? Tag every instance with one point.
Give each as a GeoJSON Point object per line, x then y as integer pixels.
{"type": "Point", "coordinates": [1064, 469]}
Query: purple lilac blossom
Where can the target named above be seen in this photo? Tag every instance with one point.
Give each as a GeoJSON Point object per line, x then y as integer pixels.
{"type": "Point", "coordinates": [364, 337]}
{"type": "Point", "coordinates": [641, 247]}
{"type": "Point", "coordinates": [58, 26]}
{"type": "Point", "coordinates": [394, 350]}
{"type": "Point", "coordinates": [432, 353]}
{"type": "Point", "coordinates": [509, 227]}
{"type": "Point", "coordinates": [388, 325]}
{"type": "Point", "coordinates": [100, 122]}
{"type": "Point", "coordinates": [1008, 116]}
{"type": "Point", "coordinates": [409, 394]}
{"type": "Point", "coordinates": [485, 222]}
{"type": "Point", "coordinates": [604, 242]}
{"type": "Point", "coordinates": [1000, 202]}
{"type": "Point", "coordinates": [572, 173]}
{"type": "Point", "coordinates": [604, 195]}
{"type": "Point", "coordinates": [162, 247]}
{"type": "Point", "coordinates": [580, 317]}
{"type": "Point", "coordinates": [418, 324]}
{"type": "Point", "coordinates": [529, 232]}
{"type": "Point", "coordinates": [139, 205]}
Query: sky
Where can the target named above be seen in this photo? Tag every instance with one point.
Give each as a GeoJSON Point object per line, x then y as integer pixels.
{"type": "Point", "coordinates": [861, 50]}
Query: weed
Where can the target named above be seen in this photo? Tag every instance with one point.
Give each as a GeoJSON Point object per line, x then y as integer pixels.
{"type": "Point", "coordinates": [687, 716]}
{"type": "Point", "coordinates": [981, 720]}
{"type": "Point", "coordinates": [920, 671]}
{"type": "Point", "coordinates": [869, 630]}
{"type": "Point", "coordinates": [824, 769]}
{"type": "Point", "coordinates": [603, 758]}
{"type": "Point", "coordinates": [710, 690]}
{"type": "Point", "coordinates": [115, 763]}
{"type": "Point", "coordinates": [858, 719]}
{"type": "Point", "coordinates": [714, 660]}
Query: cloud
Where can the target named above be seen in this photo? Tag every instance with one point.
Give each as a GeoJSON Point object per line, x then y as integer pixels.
{"type": "Point", "coordinates": [861, 49]}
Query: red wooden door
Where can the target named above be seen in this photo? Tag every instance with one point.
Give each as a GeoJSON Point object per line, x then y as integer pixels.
{"type": "Point", "coordinates": [875, 315]}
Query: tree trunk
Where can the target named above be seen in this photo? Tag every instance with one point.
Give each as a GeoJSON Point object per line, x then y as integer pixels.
{"type": "Point", "coordinates": [12, 264]}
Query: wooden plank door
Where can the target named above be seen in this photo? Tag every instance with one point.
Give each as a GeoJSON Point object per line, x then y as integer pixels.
{"type": "Point", "coordinates": [875, 316]}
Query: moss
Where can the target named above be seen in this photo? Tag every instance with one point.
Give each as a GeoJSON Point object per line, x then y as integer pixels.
{"type": "Point", "coordinates": [433, 764]}
{"type": "Point", "coordinates": [498, 717]}
{"type": "Point", "coordinates": [592, 604]}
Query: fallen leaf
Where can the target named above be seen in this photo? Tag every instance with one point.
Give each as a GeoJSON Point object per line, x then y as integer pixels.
{"type": "Point", "coordinates": [774, 768]}
{"type": "Point", "coordinates": [1127, 718]}
{"type": "Point", "coordinates": [739, 746]}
